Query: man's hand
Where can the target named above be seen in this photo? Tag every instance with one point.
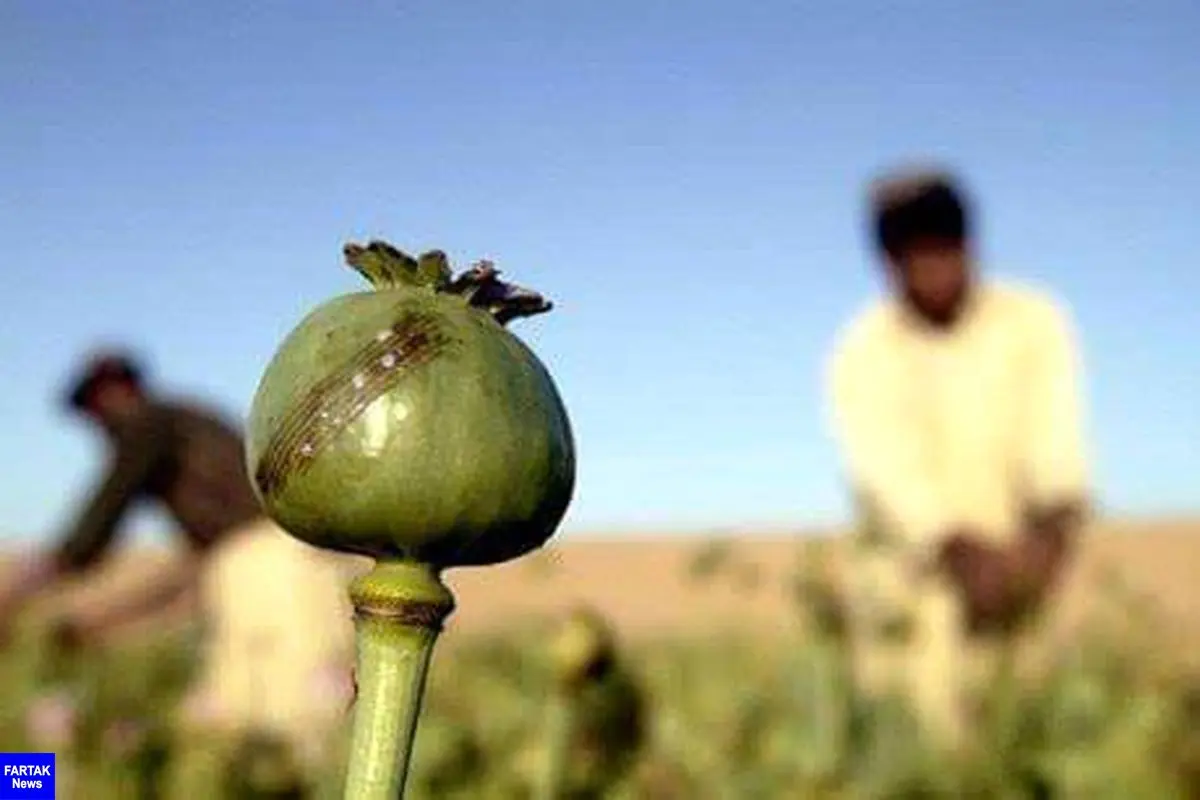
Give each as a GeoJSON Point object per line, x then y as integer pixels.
{"type": "Point", "coordinates": [149, 598]}
{"type": "Point", "coordinates": [24, 580]}
{"type": "Point", "coordinates": [1041, 554]}
{"type": "Point", "coordinates": [70, 634]}
{"type": "Point", "coordinates": [982, 573]}
{"type": "Point", "coordinates": [6, 634]}
{"type": "Point", "coordinates": [1001, 587]}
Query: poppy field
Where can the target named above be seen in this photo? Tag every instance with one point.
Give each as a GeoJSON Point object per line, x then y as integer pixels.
{"type": "Point", "coordinates": [1109, 716]}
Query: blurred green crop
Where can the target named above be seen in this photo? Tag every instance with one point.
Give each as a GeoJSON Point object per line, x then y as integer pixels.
{"type": "Point", "coordinates": [1108, 719]}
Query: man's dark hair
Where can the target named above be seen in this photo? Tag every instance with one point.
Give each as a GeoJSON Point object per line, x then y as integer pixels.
{"type": "Point", "coordinates": [910, 209]}
{"type": "Point", "coordinates": [101, 369]}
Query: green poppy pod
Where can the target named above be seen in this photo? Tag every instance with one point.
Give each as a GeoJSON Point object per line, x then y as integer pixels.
{"type": "Point", "coordinates": [407, 423]}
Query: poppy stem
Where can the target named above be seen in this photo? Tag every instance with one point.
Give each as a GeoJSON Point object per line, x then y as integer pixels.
{"type": "Point", "coordinates": [399, 610]}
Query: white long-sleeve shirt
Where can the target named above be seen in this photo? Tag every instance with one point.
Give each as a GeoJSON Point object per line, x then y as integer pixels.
{"type": "Point", "coordinates": [965, 427]}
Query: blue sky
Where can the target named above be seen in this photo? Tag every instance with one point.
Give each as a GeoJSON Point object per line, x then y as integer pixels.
{"type": "Point", "coordinates": [684, 180]}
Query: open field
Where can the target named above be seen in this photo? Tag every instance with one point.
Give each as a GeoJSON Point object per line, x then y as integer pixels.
{"type": "Point", "coordinates": [648, 587]}
{"type": "Point", "coordinates": [743, 701]}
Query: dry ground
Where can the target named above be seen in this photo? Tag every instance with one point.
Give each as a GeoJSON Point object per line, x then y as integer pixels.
{"type": "Point", "coordinates": [646, 586]}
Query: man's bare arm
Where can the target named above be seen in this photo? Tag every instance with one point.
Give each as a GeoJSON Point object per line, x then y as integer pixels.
{"type": "Point", "coordinates": [154, 595]}
{"type": "Point", "coordinates": [140, 452]}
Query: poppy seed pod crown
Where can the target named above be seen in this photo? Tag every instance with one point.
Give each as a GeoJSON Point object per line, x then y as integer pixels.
{"type": "Point", "coordinates": [98, 369]}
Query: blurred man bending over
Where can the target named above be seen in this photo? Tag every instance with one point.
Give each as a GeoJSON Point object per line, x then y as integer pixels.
{"type": "Point", "coordinates": [278, 620]}
{"type": "Point", "coordinates": [955, 403]}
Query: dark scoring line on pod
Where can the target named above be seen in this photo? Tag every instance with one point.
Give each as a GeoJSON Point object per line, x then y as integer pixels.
{"type": "Point", "coordinates": [350, 400]}
{"type": "Point", "coordinates": [328, 400]}
{"type": "Point", "coordinates": [338, 400]}
{"type": "Point", "coordinates": [341, 410]}
{"type": "Point", "coordinates": [311, 403]}
{"type": "Point", "coordinates": [293, 425]}
{"type": "Point", "coordinates": [311, 429]}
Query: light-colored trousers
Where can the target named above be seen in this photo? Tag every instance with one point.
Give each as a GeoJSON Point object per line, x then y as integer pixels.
{"type": "Point", "coordinates": [278, 648]}
{"type": "Point", "coordinates": [907, 638]}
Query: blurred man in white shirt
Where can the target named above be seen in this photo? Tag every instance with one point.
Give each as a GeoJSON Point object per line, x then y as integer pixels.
{"type": "Point", "coordinates": [956, 404]}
